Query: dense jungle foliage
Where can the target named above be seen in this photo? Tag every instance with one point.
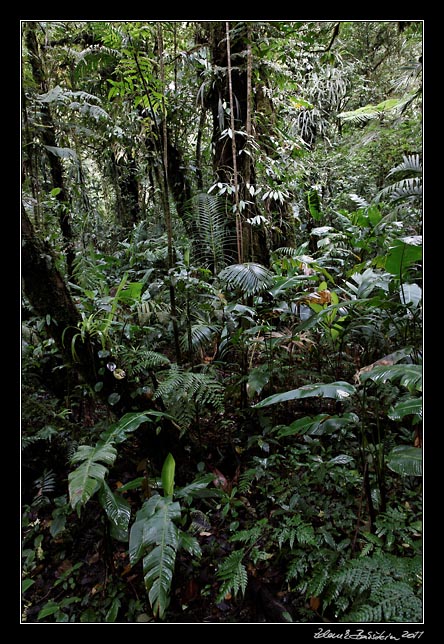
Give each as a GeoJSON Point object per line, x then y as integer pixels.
{"type": "Point", "coordinates": [221, 389]}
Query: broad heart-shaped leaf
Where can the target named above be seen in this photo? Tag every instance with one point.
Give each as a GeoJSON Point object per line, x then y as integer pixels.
{"type": "Point", "coordinates": [405, 251]}
{"type": "Point", "coordinates": [406, 460]}
{"type": "Point", "coordinates": [409, 375]}
{"type": "Point", "coordinates": [337, 390]}
{"type": "Point", "coordinates": [410, 294]}
{"type": "Point", "coordinates": [118, 511]}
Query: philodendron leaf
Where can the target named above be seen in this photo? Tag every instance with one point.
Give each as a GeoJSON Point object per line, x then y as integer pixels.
{"type": "Point", "coordinates": [404, 252]}
{"type": "Point", "coordinates": [155, 536]}
{"type": "Point", "coordinates": [405, 460]}
{"type": "Point", "coordinates": [336, 390]}
{"type": "Point", "coordinates": [87, 479]}
{"type": "Point", "coordinates": [118, 511]}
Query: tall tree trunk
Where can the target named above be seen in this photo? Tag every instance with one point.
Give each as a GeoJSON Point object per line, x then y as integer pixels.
{"type": "Point", "coordinates": [50, 298]}
{"type": "Point", "coordinates": [229, 158]}
{"type": "Point", "coordinates": [49, 139]}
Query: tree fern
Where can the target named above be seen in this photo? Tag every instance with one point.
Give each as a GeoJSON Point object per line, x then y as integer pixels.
{"type": "Point", "coordinates": [233, 575]}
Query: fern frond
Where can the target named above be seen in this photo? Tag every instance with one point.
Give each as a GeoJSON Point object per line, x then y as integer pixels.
{"type": "Point", "coordinates": [187, 388]}
{"type": "Point", "coordinates": [138, 359]}
{"type": "Point", "coordinates": [233, 574]}
{"type": "Point", "coordinates": [252, 535]}
{"type": "Point", "coordinates": [210, 239]}
{"type": "Point", "coordinates": [381, 587]}
{"type": "Point", "coordinates": [391, 106]}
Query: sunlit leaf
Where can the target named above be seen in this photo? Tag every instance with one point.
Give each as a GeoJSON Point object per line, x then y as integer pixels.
{"type": "Point", "coordinates": [408, 375]}
{"type": "Point", "coordinates": [402, 254]}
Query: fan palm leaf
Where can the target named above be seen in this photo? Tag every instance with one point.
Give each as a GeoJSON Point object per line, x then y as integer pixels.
{"type": "Point", "coordinates": [249, 278]}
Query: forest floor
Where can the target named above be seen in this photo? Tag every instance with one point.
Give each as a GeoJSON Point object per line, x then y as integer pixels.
{"type": "Point", "coordinates": [85, 564]}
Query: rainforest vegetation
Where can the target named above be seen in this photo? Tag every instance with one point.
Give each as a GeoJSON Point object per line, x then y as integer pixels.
{"type": "Point", "coordinates": [221, 322]}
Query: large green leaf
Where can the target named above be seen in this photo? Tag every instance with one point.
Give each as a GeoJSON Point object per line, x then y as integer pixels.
{"type": "Point", "coordinates": [87, 479]}
{"type": "Point", "coordinates": [318, 425]}
{"type": "Point", "coordinates": [409, 375]}
{"type": "Point", "coordinates": [118, 432]}
{"type": "Point", "coordinates": [406, 407]}
{"type": "Point", "coordinates": [405, 460]}
{"type": "Point", "coordinates": [404, 252]}
{"type": "Point", "coordinates": [337, 390]}
{"type": "Point", "coordinates": [158, 568]}
{"type": "Point", "coordinates": [155, 536]}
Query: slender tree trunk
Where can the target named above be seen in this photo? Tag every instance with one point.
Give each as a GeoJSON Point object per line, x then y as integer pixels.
{"type": "Point", "coordinates": [49, 139]}
{"type": "Point", "coordinates": [166, 200]}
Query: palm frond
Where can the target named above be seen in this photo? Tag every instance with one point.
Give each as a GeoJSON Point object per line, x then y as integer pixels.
{"type": "Point", "coordinates": [411, 163]}
{"type": "Point", "coordinates": [202, 336]}
{"type": "Point", "coordinates": [403, 189]}
{"type": "Point", "coordinates": [249, 278]}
